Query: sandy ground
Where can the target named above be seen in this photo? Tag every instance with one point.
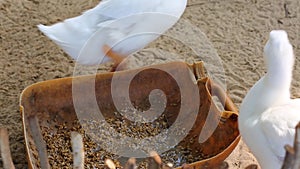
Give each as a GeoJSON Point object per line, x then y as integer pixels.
{"type": "Point", "coordinates": [238, 29]}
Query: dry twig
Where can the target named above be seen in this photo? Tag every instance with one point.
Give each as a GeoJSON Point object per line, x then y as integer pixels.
{"type": "Point", "coordinates": [131, 164]}
{"type": "Point", "coordinates": [5, 151]}
{"type": "Point", "coordinates": [252, 166]}
{"type": "Point", "coordinates": [154, 161]}
{"type": "Point", "coordinates": [39, 141]}
{"type": "Point", "coordinates": [110, 164]}
{"type": "Point", "coordinates": [292, 156]}
{"type": "Point", "coordinates": [78, 150]}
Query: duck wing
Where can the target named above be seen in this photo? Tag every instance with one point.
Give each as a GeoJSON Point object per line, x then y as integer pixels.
{"type": "Point", "coordinates": [278, 125]}
{"type": "Point", "coordinates": [125, 36]}
{"type": "Point", "coordinates": [72, 34]}
{"type": "Point", "coordinates": [121, 8]}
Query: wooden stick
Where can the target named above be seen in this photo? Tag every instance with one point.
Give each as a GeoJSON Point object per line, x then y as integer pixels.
{"type": "Point", "coordinates": [156, 157]}
{"type": "Point", "coordinates": [292, 156]}
{"type": "Point", "coordinates": [5, 150]}
{"type": "Point", "coordinates": [289, 157]}
{"type": "Point", "coordinates": [110, 164]}
{"type": "Point", "coordinates": [154, 162]}
{"type": "Point", "coordinates": [131, 164]}
{"type": "Point", "coordinates": [78, 150]}
{"type": "Point", "coordinates": [186, 166]}
{"type": "Point", "coordinates": [297, 148]}
{"type": "Point", "coordinates": [252, 166]}
{"type": "Point", "coordinates": [39, 141]}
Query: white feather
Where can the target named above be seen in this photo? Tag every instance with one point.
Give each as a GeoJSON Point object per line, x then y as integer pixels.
{"type": "Point", "coordinates": [110, 22]}
{"type": "Point", "coordinates": [268, 115]}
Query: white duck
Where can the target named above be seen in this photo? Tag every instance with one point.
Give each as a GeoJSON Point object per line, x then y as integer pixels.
{"type": "Point", "coordinates": [268, 115]}
{"type": "Point", "coordinates": [123, 25]}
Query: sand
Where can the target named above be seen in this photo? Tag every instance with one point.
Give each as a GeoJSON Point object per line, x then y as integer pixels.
{"type": "Point", "coordinates": [238, 30]}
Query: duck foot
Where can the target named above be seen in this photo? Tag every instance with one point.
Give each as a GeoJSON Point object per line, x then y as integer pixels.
{"type": "Point", "coordinates": [116, 57]}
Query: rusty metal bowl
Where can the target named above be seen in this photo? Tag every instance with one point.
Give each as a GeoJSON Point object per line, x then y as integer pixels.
{"type": "Point", "coordinates": [43, 102]}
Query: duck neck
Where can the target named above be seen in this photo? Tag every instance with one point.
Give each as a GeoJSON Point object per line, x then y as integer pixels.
{"type": "Point", "coordinates": [279, 77]}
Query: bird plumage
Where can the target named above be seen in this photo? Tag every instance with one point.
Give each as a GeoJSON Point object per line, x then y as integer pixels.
{"type": "Point", "coordinates": [117, 23]}
{"type": "Point", "coordinates": [268, 115]}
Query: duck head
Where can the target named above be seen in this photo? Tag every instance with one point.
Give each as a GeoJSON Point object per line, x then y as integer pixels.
{"type": "Point", "coordinates": [278, 52]}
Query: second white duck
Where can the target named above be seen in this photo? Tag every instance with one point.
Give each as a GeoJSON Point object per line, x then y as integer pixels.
{"type": "Point", "coordinates": [125, 26]}
{"type": "Point", "coordinates": [268, 115]}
